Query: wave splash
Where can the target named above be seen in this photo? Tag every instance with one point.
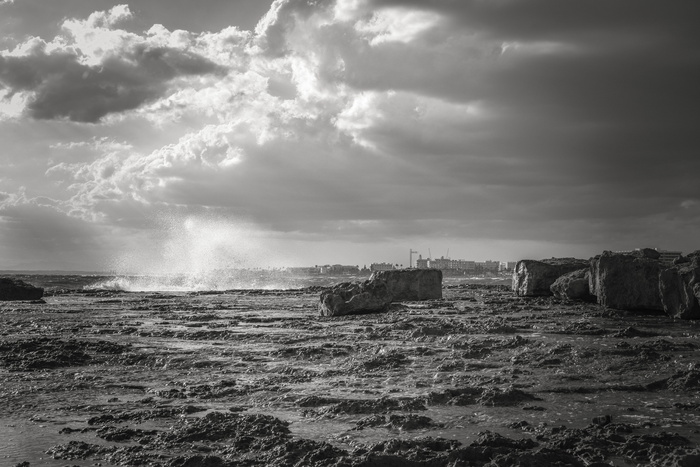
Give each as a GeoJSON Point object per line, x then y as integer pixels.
{"type": "Point", "coordinates": [197, 253]}
{"type": "Point", "coordinates": [220, 281]}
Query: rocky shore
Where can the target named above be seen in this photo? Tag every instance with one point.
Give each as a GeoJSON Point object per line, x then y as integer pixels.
{"type": "Point", "coordinates": [481, 376]}
{"type": "Point", "coordinates": [637, 280]}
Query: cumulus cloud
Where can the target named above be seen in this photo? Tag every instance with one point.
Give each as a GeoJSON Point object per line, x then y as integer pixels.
{"type": "Point", "coordinates": [94, 70]}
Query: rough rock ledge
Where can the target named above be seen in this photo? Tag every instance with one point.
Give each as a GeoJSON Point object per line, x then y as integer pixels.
{"type": "Point", "coordinates": [533, 278]}
{"type": "Point", "coordinates": [627, 281]}
{"type": "Point", "coordinates": [15, 289]}
{"type": "Point", "coordinates": [380, 290]}
{"type": "Point", "coordinates": [679, 286]}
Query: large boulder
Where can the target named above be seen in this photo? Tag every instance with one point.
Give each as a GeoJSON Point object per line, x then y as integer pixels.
{"type": "Point", "coordinates": [533, 278]}
{"type": "Point", "coordinates": [411, 284]}
{"type": "Point", "coordinates": [679, 286]}
{"type": "Point", "coordinates": [627, 281]}
{"type": "Point", "coordinates": [382, 288]}
{"type": "Point", "coordinates": [355, 297]}
{"type": "Point", "coordinates": [15, 289]}
{"type": "Point", "coordinates": [573, 286]}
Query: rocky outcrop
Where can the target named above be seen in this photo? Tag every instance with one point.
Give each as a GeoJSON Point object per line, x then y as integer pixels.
{"type": "Point", "coordinates": [679, 287]}
{"type": "Point", "coordinates": [15, 289]}
{"type": "Point", "coordinates": [573, 286]}
{"type": "Point", "coordinates": [532, 277]}
{"type": "Point", "coordinates": [382, 288]}
{"type": "Point", "coordinates": [627, 281]}
{"type": "Point", "coordinates": [411, 284]}
{"type": "Point", "coordinates": [355, 297]}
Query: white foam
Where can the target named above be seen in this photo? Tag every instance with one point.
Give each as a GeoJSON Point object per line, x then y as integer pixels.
{"type": "Point", "coordinates": [223, 280]}
{"type": "Point", "coordinates": [194, 253]}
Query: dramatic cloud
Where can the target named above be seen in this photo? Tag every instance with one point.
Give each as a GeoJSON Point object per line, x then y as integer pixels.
{"type": "Point", "coordinates": [508, 128]}
{"type": "Point", "coordinates": [94, 70]}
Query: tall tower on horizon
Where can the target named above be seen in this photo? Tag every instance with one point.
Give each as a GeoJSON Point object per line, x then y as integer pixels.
{"type": "Point", "coordinates": [411, 251]}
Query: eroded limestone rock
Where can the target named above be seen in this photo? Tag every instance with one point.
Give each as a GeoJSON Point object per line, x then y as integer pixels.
{"type": "Point", "coordinates": [532, 277]}
{"type": "Point", "coordinates": [15, 289]}
{"type": "Point", "coordinates": [679, 287]}
{"type": "Point", "coordinates": [382, 288]}
{"type": "Point", "coordinates": [627, 281]}
{"type": "Point", "coordinates": [411, 284]}
{"type": "Point", "coordinates": [573, 286]}
{"type": "Point", "coordinates": [355, 297]}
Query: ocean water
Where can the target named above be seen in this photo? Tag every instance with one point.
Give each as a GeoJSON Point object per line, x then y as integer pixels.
{"type": "Point", "coordinates": [263, 279]}
{"type": "Point", "coordinates": [58, 281]}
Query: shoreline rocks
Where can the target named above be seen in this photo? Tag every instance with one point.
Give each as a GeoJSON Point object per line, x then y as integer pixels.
{"type": "Point", "coordinates": [627, 281]}
{"type": "Point", "coordinates": [631, 281]}
{"type": "Point", "coordinates": [573, 286]}
{"type": "Point", "coordinates": [15, 289]}
{"type": "Point", "coordinates": [411, 284]}
{"type": "Point", "coordinates": [634, 281]}
{"type": "Point", "coordinates": [350, 298]}
{"type": "Point", "coordinates": [679, 287]}
{"type": "Point", "coordinates": [380, 290]}
{"type": "Point", "coordinates": [535, 278]}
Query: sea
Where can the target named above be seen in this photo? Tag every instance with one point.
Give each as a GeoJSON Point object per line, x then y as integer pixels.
{"type": "Point", "coordinates": [263, 279]}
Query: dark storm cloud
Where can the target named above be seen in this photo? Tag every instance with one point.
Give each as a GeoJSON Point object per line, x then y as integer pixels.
{"type": "Point", "coordinates": [632, 61]}
{"type": "Point", "coordinates": [635, 58]}
{"type": "Point", "coordinates": [605, 97]}
{"type": "Point", "coordinates": [61, 86]}
{"type": "Point", "coordinates": [554, 19]}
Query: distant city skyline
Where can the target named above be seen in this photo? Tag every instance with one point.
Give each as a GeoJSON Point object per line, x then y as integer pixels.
{"type": "Point", "coordinates": [162, 135]}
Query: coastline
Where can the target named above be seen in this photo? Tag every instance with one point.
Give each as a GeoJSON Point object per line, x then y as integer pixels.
{"type": "Point", "coordinates": [180, 378]}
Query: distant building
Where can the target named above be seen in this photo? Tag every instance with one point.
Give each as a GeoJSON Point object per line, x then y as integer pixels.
{"type": "Point", "coordinates": [339, 269]}
{"type": "Point", "coordinates": [439, 263]}
{"type": "Point", "coordinates": [667, 256]}
{"type": "Point", "coordinates": [445, 264]}
{"type": "Point", "coordinates": [462, 266]}
{"type": "Point", "coordinates": [302, 271]}
{"type": "Point", "coordinates": [506, 266]}
{"type": "Point", "coordinates": [488, 266]}
{"type": "Point", "coordinates": [457, 263]}
{"type": "Point", "coordinates": [381, 267]}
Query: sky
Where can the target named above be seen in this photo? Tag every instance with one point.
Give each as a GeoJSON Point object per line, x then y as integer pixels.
{"type": "Point", "coordinates": [166, 134]}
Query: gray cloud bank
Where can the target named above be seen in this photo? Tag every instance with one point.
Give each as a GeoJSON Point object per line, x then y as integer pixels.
{"type": "Point", "coordinates": [61, 86]}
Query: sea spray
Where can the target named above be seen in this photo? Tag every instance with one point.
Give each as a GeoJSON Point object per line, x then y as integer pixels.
{"type": "Point", "coordinates": [215, 280]}
{"type": "Point", "coordinates": [195, 253]}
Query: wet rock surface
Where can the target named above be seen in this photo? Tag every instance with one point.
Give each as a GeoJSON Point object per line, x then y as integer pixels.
{"type": "Point", "coordinates": [679, 286]}
{"type": "Point", "coordinates": [573, 286]}
{"type": "Point", "coordinates": [17, 289]}
{"type": "Point", "coordinates": [627, 281]}
{"type": "Point", "coordinates": [482, 377]}
{"type": "Point", "coordinates": [380, 290]}
{"type": "Point", "coordinates": [355, 298]}
{"type": "Point", "coordinates": [535, 278]}
{"type": "Point", "coordinates": [45, 353]}
{"type": "Point", "coordinates": [411, 284]}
